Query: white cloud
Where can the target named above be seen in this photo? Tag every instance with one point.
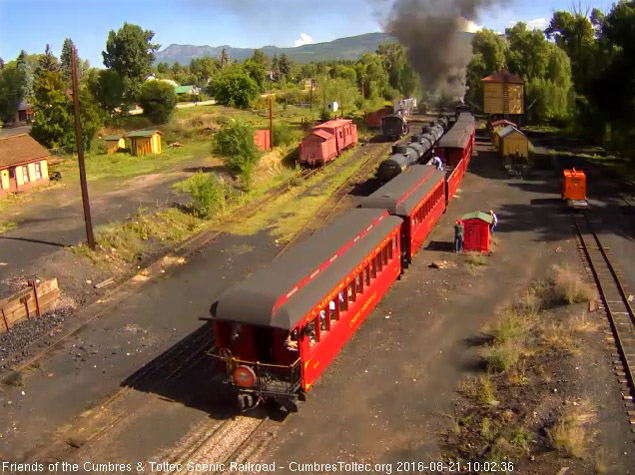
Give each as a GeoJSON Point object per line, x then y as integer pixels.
{"type": "Point", "coordinates": [471, 27]}
{"type": "Point", "coordinates": [536, 24]}
{"type": "Point", "coordinates": [303, 40]}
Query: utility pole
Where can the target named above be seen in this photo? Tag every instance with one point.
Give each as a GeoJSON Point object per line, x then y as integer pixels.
{"type": "Point", "coordinates": [311, 102]}
{"type": "Point", "coordinates": [270, 122]}
{"type": "Point", "coordinates": [80, 153]}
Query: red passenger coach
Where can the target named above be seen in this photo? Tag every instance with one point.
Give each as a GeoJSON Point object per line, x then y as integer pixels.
{"type": "Point", "coordinates": [418, 196]}
{"type": "Point", "coordinates": [455, 149]}
{"type": "Point", "coordinates": [279, 329]}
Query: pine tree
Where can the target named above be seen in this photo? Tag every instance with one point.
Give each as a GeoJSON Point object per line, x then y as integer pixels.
{"type": "Point", "coordinates": [27, 81]}
{"type": "Point", "coordinates": [224, 58]}
{"type": "Point", "coordinates": [48, 62]}
{"type": "Point", "coordinates": [65, 57]}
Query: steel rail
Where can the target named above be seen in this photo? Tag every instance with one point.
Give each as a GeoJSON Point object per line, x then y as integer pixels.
{"type": "Point", "coordinates": [603, 287]}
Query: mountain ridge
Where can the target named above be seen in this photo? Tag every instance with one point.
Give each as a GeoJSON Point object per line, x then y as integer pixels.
{"type": "Point", "coordinates": [352, 47]}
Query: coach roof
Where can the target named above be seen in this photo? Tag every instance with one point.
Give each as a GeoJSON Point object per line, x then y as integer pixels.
{"type": "Point", "coordinates": [402, 194]}
{"type": "Point", "coordinates": [281, 294]}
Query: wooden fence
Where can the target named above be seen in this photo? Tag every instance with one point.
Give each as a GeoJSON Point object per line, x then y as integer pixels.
{"type": "Point", "coordinates": [31, 302]}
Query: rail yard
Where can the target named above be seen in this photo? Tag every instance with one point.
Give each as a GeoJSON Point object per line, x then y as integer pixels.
{"type": "Point", "coordinates": [401, 252]}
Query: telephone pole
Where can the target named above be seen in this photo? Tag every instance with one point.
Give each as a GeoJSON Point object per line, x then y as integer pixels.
{"type": "Point", "coordinates": [270, 122]}
{"type": "Point", "coordinates": [80, 153]}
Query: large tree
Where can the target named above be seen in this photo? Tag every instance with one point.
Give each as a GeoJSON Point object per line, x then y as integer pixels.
{"type": "Point", "coordinates": [53, 125]}
{"type": "Point", "coordinates": [65, 59]}
{"type": "Point", "coordinates": [108, 89]}
{"type": "Point", "coordinates": [48, 62]}
{"type": "Point", "coordinates": [158, 101]}
{"type": "Point", "coordinates": [11, 91]}
{"type": "Point", "coordinates": [234, 87]}
{"type": "Point", "coordinates": [130, 52]}
{"type": "Point", "coordinates": [489, 57]}
{"type": "Point", "coordinates": [26, 76]}
{"type": "Point", "coordinates": [260, 58]}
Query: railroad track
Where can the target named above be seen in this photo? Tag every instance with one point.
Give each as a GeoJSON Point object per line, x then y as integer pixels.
{"type": "Point", "coordinates": [216, 444]}
{"type": "Point", "coordinates": [329, 208]}
{"type": "Point", "coordinates": [617, 306]}
{"type": "Point", "coordinates": [167, 367]}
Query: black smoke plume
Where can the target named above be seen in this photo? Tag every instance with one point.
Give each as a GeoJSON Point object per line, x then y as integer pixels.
{"type": "Point", "coordinates": [433, 33]}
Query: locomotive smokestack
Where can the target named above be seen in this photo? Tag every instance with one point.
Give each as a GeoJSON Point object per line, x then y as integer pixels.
{"type": "Point", "coordinates": [432, 32]}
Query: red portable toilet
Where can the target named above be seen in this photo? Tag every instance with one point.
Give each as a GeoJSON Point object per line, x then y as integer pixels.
{"type": "Point", "coordinates": [476, 231]}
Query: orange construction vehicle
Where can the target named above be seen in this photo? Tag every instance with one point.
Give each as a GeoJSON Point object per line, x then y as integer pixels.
{"type": "Point", "coordinates": [574, 189]}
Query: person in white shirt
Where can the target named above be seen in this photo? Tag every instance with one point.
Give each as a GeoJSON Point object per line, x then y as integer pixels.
{"type": "Point", "coordinates": [494, 222]}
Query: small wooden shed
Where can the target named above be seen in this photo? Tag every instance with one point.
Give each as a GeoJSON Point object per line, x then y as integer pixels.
{"type": "Point", "coordinates": [115, 142]}
{"type": "Point", "coordinates": [476, 233]}
{"type": "Point", "coordinates": [503, 93]}
{"type": "Point", "coordinates": [511, 142]}
{"type": "Point", "coordinates": [145, 141]}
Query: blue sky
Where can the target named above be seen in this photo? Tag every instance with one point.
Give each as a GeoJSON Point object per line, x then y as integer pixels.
{"type": "Point", "coordinates": [31, 24]}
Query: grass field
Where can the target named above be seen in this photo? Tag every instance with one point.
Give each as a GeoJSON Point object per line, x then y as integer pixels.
{"type": "Point", "coordinates": [124, 165]}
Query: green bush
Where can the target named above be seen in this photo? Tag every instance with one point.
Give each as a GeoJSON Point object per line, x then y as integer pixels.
{"type": "Point", "coordinates": [234, 88]}
{"type": "Point", "coordinates": [158, 101]}
{"type": "Point", "coordinates": [208, 194]}
{"type": "Point", "coordinates": [234, 143]}
{"type": "Point", "coordinates": [284, 134]}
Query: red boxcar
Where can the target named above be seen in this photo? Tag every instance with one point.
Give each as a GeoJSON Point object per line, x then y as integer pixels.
{"type": "Point", "coordinates": [280, 328]}
{"type": "Point", "coordinates": [344, 131]}
{"type": "Point", "coordinates": [318, 148]}
{"type": "Point", "coordinates": [373, 119]}
{"type": "Point", "coordinates": [476, 231]}
{"type": "Point", "coordinates": [418, 196]}
{"type": "Point", "coordinates": [327, 141]}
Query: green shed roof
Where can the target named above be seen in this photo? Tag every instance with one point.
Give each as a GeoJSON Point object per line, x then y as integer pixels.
{"type": "Point", "coordinates": [113, 137]}
{"type": "Point", "coordinates": [143, 133]}
{"type": "Point", "coordinates": [508, 130]}
{"type": "Point", "coordinates": [478, 215]}
{"type": "Point", "coordinates": [183, 89]}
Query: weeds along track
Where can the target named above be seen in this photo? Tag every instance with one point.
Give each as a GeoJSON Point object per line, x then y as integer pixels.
{"type": "Point", "coordinates": [616, 305]}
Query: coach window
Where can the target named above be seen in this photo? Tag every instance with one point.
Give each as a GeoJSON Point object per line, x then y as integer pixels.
{"type": "Point", "coordinates": [343, 301]}
{"type": "Point", "coordinates": [325, 324]}
{"type": "Point", "coordinates": [351, 291]}
{"type": "Point", "coordinates": [311, 332]}
{"type": "Point", "coordinates": [389, 246]}
{"type": "Point", "coordinates": [334, 314]}
{"type": "Point", "coordinates": [360, 283]}
{"type": "Point", "coordinates": [367, 275]}
{"type": "Point", "coordinates": [378, 262]}
{"type": "Point", "coordinates": [384, 254]}
{"type": "Point", "coordinates": [373, 269]}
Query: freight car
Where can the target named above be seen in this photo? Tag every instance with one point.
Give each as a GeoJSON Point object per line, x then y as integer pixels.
{"type": "Point", "coordinates": [423, 144]}
{"type": "Point", "coordinates": [327, 141]}
{"type": "Point", "coordinates": [373, 119]}
{"type": "Point", "coordinates": [394, 126]}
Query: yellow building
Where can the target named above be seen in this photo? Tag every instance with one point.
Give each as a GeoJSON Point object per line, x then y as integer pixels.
{"type": "Point", "coordinates": [512, 143]}
{"type": "Point", "coordinates": [23, 164]}
{"type": "Point", "coordinates": [144, 141]}
{"type": "Point", "coordinates": [503, 93]}
{"type": "Point", "coordinates": [115, 142]}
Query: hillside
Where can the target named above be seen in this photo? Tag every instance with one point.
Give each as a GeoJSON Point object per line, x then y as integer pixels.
{"type": "Point", "coordinates": [343, 48]}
